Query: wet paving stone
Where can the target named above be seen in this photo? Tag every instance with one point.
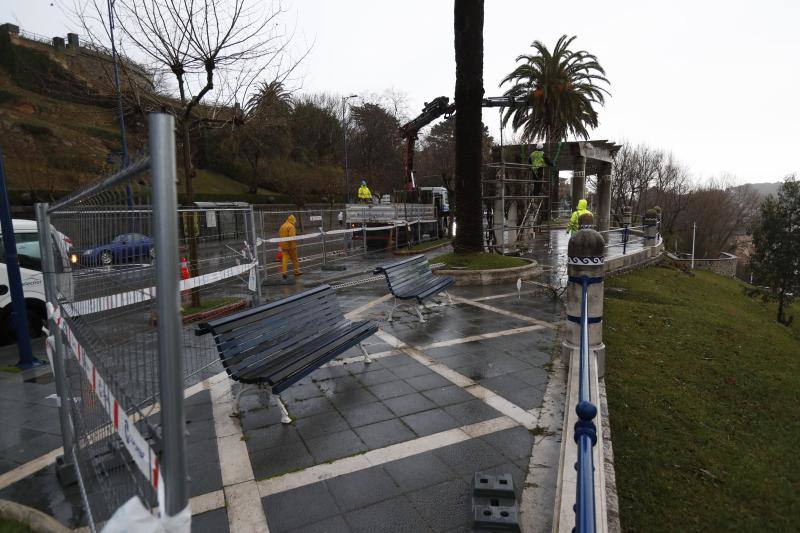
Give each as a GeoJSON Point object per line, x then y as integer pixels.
{"type": "Point", "coordinates": [384, 433]}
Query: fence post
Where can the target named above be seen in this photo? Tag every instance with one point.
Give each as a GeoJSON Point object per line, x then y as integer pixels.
{"type": "Point", "coordinates": [419, 231]}
{"type": "Point", "coordinates": [64, 465]}
{"type": "Point", "coordinates": [626, 222]}
{"type": "Point", "coordinates": [364, 235]}
{"type": "Point", "coordinates": [585, 258]}
{"type": "Point", "coordinates": [253, 238]}
{"type": "Point", "coordinates": [170, 345]}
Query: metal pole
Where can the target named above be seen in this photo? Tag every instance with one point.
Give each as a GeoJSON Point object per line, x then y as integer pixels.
{"type": "Point", "coordinates": [419, 231]}
{"type": "Point", "coordinates": [253, 237]}
{"type": "Point", "coordinates": [694, 232]}
{"type": "Point", "coordinates": [364, 236]}
{"type": "Point", "coordinates": [346, 170]}
{"type": "Point", "coordinates": [19, 315]}
{"type": "Point", "coordinates": [168, 307]}
{"type": "Point", "coordinates": [115, 62]}
{"type": "Point", "coordinates": [59, 360]}
{"type": "Point", "coordinates": [324, 251]}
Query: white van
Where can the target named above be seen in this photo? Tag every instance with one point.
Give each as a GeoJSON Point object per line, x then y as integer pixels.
{"type": "Point", "coordinates": [29, 258]}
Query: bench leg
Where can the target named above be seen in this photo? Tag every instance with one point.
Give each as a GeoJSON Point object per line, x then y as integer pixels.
{"type": "Point", "coordinates": [419, 312]}
{"type": "Point", "coordinates": [391, 311]}
{"type": "Point", "coordinates": [448, 297]}
{"type": "Point", "coordinates": [367, 359]}
{"type": "Point", "coordinates": [285, 418]}
{"type": "Point", "coordinates": [242, 389]}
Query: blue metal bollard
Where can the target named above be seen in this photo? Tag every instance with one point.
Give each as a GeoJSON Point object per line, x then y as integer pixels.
{"type": "Point", "coordinates": [19, 315]}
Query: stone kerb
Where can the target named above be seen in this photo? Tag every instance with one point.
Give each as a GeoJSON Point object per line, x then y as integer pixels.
{"type": "Point", "coordinates": [495, 276]}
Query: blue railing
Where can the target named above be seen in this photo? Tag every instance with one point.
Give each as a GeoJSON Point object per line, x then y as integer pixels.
{"type": "Point", "coordinates": [585, 429]}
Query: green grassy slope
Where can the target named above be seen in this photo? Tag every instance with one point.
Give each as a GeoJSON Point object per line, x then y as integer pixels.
{"type": "Point", "coordinates": [704, 397]}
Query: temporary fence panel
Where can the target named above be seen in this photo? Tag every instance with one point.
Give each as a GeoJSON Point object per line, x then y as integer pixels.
{"type": "Point", "coordinates": [115, 335]}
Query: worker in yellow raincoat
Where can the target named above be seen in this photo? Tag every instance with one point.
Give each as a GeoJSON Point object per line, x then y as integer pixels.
{"type": "Point", "coordinates": [574, 224]}
{"type": "Point", "coordinates": [289, 248]}
{"type": "Point", "coordinates": [364, 194]}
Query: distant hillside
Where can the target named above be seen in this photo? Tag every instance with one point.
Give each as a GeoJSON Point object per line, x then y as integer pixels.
{"type": "Point", "coordinates": [765, 189]}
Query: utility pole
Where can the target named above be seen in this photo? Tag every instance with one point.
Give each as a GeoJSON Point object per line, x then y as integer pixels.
{"type": "Point", "coordinates": [344, 136]}
{"type": "Point", "coordinates": [694, 232]}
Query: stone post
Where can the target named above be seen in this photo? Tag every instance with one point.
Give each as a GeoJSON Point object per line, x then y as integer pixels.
{"type": "Point", "coordinates": [585, 256]}
{"type": "Point", "coordinates": [627, 216]}
{"type": "Point", "coordinates": [604, 199]}
{"type": "Point", "coordinates": [58, 43]}
{"type": "Point", "coordinates": [73, 40]}
{"type": "Point", "coordinates": [650, 227]}
{"type": "Point", "coordinates": [578, 180]}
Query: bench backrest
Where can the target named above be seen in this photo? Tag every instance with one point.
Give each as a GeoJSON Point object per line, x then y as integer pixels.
{"type": "Point", "coordinates": [274, 327]}
{"type": "Point", "coordinates": [406, 273]}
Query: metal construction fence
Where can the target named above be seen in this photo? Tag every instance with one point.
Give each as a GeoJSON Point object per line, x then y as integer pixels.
{"type": "Point", "coordinates": [327, 238]}
{"type": "Point", "coordinates": [120, 353]}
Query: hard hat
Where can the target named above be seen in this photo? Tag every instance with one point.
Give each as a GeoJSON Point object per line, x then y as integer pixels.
{"type": "Point", "coordinates": [363, 182]}
{"type": "Point", "coordinates": [539, 146]}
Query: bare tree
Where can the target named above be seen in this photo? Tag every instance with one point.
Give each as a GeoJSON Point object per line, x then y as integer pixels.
{"type": "Point", "coordinates": [217, 50]}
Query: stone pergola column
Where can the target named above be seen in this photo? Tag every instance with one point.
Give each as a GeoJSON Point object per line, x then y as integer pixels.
{"type": "Point", "coordinates": [603, 215]}
{"type": "Point", "coordinates": [578, 180]}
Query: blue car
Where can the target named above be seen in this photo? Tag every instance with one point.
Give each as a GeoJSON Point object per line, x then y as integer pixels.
{"type": "Point", "coordinates": [123, 248]}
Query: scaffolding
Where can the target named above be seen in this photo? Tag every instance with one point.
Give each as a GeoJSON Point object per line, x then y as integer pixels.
{"type": "Point", "coordinates": [518, 201]}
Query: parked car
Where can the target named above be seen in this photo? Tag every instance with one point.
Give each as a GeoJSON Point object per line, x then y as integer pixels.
{"type": "Point", "coordinates": [123, 248]}
{"type": "Point", "coordinates": [29, 258]}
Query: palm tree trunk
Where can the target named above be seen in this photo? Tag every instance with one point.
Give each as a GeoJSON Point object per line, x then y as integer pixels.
{"type": "Point", "coordinates": [468, 26]}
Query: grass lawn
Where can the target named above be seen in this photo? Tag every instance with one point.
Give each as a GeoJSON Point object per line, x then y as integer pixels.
{"type": "Point", "coordinates": [704, 397]}
{"type": "Point", "coordinates": [12, 526]}
{"type": "Point", "coordinates": [479, 261]}
{"type": "Point", "coordinates": [208, 303]}
{"type": "Point", "coordinates": [427, 245]}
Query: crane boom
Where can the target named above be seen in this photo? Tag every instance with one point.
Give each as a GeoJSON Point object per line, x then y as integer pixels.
{"type": "Point", "coordinates": [431, 111]}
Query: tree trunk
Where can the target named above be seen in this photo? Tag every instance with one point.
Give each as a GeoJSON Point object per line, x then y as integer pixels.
{"type": "Point", "coordinates": [468, 26]}
{"type": "Point", "coordinates": [188, 178]}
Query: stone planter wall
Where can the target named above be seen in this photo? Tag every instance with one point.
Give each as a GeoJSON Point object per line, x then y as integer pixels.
{"type": "Point", "coordinates": [493, 277]}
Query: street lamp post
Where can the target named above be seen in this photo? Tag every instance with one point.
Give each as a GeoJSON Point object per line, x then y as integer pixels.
{"type": "Point", "coordinates": [344, 135]}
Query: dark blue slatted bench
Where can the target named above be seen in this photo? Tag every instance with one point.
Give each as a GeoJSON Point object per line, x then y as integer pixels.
{"type": "Point", "coordinates": [412, 279]}
{"type": "Point", "coordinates": [277, 344]}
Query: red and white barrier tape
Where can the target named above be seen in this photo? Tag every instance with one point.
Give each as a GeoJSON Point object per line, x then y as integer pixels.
{"type": "Point", "coordinates": [140, 450]}
{"type": "Point", "coordinates": [122, 299]}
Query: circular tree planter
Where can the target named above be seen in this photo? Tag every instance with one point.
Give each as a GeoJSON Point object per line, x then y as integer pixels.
{"type": "Point", "coordinates": [34, 519]}
{"type": "Point", "coordinates": [494, 276]}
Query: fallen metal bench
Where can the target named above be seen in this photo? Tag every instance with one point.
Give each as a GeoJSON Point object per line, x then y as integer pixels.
{"type": "Point", "coordinates": [412, 279]}
{"type": "Point", "coordinates": [277, 344]}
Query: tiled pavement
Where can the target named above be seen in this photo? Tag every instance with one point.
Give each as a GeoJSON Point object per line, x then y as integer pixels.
{"type": "Point", "coordinates": [397, 418]}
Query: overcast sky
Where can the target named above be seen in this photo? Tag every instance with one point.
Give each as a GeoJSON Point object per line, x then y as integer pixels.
{"type": "Point", "coordinates": [715, 82]}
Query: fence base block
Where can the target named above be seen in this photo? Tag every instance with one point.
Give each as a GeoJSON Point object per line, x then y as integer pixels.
{"type": "Point", "coordinates": [65, 472]}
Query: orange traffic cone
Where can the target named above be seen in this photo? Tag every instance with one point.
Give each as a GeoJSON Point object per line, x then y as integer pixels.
{"type": "Point", "coordinates": [185, 275]}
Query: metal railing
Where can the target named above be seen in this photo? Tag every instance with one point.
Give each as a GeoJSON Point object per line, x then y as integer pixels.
{"type": "Point", "coordinates": [585, 429]}
{"type": "Point", "coordinates": [325, 240]}
{"type": "Point", "coordinates": [115, 333]}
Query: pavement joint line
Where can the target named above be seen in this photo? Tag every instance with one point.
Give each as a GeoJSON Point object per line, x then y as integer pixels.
{"type": "Point", "coordinates": [245, 511]}
{"type": "Point", "coordinates": [357, 311]}
{"type": "Point", "coordinates": [209, 501]}
{"type": "Point", "coordinates": [520, 415]}
{"type": "Point", "coordinates": [438, 344]}
{"type": "Point", "coordinates": [380, 456]}
{"type": "Point", "coordinates": [510, 314]}
{"type": "Point", "coordinates": [499, 296]}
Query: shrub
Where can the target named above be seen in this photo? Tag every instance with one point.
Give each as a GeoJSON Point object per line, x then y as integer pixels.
{"type": "Point", "coordinates": [35, 129]}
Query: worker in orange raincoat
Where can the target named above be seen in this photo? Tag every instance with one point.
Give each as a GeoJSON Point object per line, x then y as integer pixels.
{"type": "Point", "coordinates": [289, 248]}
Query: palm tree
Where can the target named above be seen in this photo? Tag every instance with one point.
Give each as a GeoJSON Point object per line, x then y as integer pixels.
{"type": "Point", "coordinates": [468, 29]}
{"type": "Point", "coordinates": [557, 92]}
{"type": "Point", "coordinates": [265, 128]}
